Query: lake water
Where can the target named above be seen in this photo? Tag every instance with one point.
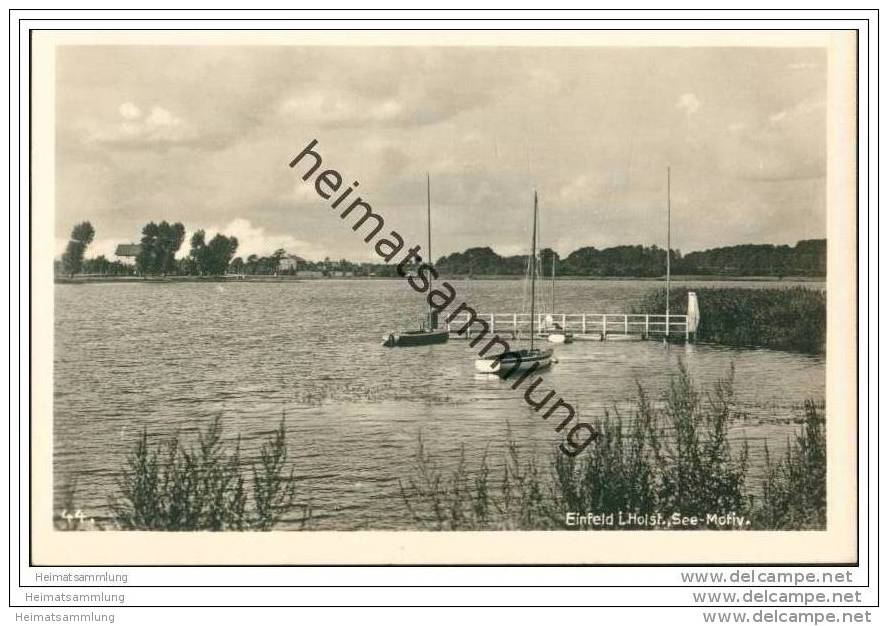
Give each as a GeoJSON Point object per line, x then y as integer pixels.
{"type": "Point", "coordinates": [171, 356]}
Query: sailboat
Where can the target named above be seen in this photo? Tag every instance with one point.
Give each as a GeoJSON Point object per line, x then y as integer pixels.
{"type": "Point", "coordinates": [428, 332]}
{"type": "Point", "coordinates": [514, 361]}
{"type": "Point", "coordinates": [555, 333]}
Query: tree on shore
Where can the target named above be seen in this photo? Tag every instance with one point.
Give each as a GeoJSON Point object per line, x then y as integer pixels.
{"type": "Point", "coordinates": [212, 259]}
{"type": "Point", "coordinates": [81, 236]}
{"type": "Point", "coordinates": [159, 245]}
{"type": "Point", "coordinates": [261, 265]}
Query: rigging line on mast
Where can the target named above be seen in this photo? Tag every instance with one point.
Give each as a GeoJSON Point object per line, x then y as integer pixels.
{"type": "Point", "coordinates": [533, 267]}
{"type": "Point", "coordinates": [538, 252]}
{"type": "Point", "coordinates": [529, 267]}
{"type": "Point", "coordinates": [429, 226]}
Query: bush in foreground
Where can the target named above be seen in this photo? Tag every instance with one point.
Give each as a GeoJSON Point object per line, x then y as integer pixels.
{"type": "Point", "coordinates": [170, 486]}
{"type": "Point", "coordinates": [674, 456]}
{"type": "Point", "coordinates": [794, 489]}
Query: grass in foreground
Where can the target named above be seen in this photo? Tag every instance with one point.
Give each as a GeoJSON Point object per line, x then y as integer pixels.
{"type": "Point", "coordinates": [674, 457]}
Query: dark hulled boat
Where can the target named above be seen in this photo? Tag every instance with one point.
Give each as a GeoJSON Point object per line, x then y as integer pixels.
{"type": "Point", "coordinates": [428, 333]}
{"type": "Point", "coordinates": [417, 338]}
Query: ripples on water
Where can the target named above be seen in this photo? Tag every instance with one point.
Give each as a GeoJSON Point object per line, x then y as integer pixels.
{"type": "Point", "coordinates": [171, 356]}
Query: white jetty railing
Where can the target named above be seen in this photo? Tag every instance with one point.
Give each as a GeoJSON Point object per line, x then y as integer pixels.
{"type": "Point", "coordinates": [589, 326]}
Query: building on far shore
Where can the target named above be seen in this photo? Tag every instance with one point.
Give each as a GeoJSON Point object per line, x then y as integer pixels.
{"type": "Point", "coordinates": [127, 252]}
{"type": "Point", "coordinates": [290, 263]}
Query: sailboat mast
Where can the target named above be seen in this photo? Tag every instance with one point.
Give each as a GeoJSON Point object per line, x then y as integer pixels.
{"type": "Point", "coordinates": [533, 252]}
{"type": "Point", "coordinates": [668, 240]}
{"type": "Point", "coordinates": [429, 227]}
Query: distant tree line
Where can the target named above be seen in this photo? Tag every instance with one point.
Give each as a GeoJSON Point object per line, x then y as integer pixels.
{"type": "Point", "coordinates": [806, 258]}
{"type": "Point", "coordinates": [618, 261]}
{"type": "Point", "coordinates": [588, 261]}
{"type": "Point", "coordinates": [161, 242]}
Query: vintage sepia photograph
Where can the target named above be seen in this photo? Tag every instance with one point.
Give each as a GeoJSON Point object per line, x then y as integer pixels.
{"type": "Point", "coordinates": [574, 285]}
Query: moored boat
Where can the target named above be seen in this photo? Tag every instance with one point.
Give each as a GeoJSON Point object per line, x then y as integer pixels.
{"type": "Point", "coordinates": [559, 337]}
{"type": "Point", "coordinates": [416, 338]}
{"type": "Point", "coordinates": [428, 334]}
{"type": "Point", "coordinates": [507, 363]}
{"type": "Point", "coordinates": [515, 361]}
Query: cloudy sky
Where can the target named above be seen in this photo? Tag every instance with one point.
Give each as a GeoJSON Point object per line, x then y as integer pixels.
{"type": "Point", "coordinates": [203, 135]}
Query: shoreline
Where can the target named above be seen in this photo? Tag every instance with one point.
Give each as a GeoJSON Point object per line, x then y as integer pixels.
{"type": "Point", "coordinates": [77, 280]}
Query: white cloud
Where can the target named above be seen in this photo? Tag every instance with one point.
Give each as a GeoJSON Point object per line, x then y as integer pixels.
{"type": "Point", "coordinates": [512, 249]}
{"type": "Point", "coordinates": [689, 103]}
{"type": "Point", "coordinates": [803, 110]}
{"type": "Point", "coordinates": [160, 126]}
{"type": "Point", "coordinates": [98, 247]}
{"type": "Point", "coordinates": [161, 117]}
{"type": "Point", "coordinates": [407, 105]}
{"type": "Point", "coordinates": [785, 145]}
{"type": "Point", "coordinates": [255, 240]}
{"type": "Point", "coordinates": [478, 111]}
{"type": "Point", "coordinates": [576, 189]}
{"type": "Point", "coordinates": [129, 111]}
{"type": "Point", "coordinates": [251, 240]}
{"type": "Point", "coordinates": [340, 108]}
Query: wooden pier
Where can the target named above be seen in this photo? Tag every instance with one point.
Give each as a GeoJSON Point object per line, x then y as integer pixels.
{"type": "Point", "coordinates": [583, 326]}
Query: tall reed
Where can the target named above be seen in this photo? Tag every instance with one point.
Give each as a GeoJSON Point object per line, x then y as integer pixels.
{"type": "Point", "coordinates": [791, 319]}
